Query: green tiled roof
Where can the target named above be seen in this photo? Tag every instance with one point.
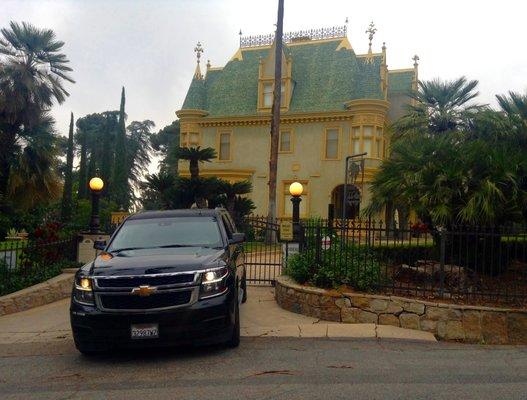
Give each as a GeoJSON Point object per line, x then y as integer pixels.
{"type": "Point", "coordinates": [400, 82]}
{"type": "Point", "coordinates": [323, 80]}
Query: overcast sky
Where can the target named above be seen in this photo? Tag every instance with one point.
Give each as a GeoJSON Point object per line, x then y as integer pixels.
{"type": "Point", "coordinates": [147, 46]}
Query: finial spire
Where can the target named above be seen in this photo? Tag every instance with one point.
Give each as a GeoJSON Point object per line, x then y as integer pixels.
{"type": "Point", "coordinates": [198, 50]}
{"type": "Point", "coordinates": [371, 32]}
{"type": "Point", "coordinates": [416, 60]}
{"type": "Point", "coordinates": [208, 65]}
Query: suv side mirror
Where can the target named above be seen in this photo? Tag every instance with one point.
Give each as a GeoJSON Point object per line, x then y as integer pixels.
{"type": "Point", "coordinates": [237, 238]}
{"type": "Point", "coordinates": [99, 244]}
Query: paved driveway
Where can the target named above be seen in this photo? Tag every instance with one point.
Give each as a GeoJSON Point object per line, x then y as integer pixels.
{"type": "Point", "coordinates": [260, 316]}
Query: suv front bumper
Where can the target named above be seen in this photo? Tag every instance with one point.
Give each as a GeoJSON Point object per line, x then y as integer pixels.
{"type": "Point", "coordinates": [204, 322]}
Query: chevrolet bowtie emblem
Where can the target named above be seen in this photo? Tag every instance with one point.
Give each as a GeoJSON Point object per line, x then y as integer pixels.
{"type": "Point", "coordinates": [143, 290]}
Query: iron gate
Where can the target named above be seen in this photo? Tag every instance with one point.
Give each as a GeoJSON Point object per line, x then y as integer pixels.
{"type": "Point", "coordinates": [263, 252]}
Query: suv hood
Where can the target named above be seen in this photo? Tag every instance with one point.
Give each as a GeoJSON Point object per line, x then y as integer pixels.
{"type": "Point", "coordinates": [156, 261]}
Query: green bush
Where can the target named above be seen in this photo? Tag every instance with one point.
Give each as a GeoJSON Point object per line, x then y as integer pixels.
{"type": "Point", "coordinates": [12, 280]}
{"type": "Point", "coordinates": [404, 253]}
{"type": "Point", "coordinates": [339, 265]}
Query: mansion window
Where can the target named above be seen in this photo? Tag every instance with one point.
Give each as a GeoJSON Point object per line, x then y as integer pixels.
{"type": "Point", "coordinates": [355, 138]}
{"type": "Point", "coordinates": [369, 139]}
{"type": "Point", "coordinates": [267, 94]}
{"type": "Point", "coordinates": [332, 144]}
{"type": "Point", "coordinates": [189, 139]}
{"type": "Point", "coordinates": [286, 142]}
{"type": "Point", "coordinates": [224, 152]}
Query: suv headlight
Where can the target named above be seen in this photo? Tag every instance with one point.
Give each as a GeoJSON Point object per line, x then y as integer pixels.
{"type": "Point", "coordinates": [213, 282]}
{"type": "Point", "coordinates": [83, 291]}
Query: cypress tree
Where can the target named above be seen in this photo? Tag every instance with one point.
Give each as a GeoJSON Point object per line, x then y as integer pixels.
{"type": "Point", "coordinates": [83, 166]}
{"type": "Point", "coordinates": [121, 191]}
{"type": "Point", "coordinates": [68, 177]}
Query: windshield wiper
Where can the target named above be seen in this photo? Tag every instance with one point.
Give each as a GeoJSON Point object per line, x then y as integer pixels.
{"type": "Point", "coordinates": [167, 246]}
{"type": "Point", "coordinates": [126, 249]}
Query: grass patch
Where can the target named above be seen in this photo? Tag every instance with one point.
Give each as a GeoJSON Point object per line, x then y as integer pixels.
{"type": "Point", "coordinates": [253, 246]}
{"type": "Point", "coordinates": [522, 237]}
{"type": "Point", "coordinates": [12, 244]}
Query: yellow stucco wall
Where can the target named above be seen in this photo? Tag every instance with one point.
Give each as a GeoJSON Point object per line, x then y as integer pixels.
{"type": "Point", "coordinates": [250, 147]}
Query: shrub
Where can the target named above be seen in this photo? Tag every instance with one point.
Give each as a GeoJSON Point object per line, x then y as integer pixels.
{"type": "Point", "coordinates": [12, 280]}
{"type": "Point", "coordinates": [299, 267]}
{"type": "Point", "coordinates": [339, 265]}
{"type": "Point", "coordinates": [404, 253]}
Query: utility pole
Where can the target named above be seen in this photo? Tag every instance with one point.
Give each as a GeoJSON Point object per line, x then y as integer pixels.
{"type": "Point", "coordinates": [275, 121]}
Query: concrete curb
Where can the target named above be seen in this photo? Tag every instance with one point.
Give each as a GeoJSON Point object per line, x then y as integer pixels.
{"type": "Point", "coordinates": [338, 331]}
{"type": "Point", "coordinates": [46, 292]}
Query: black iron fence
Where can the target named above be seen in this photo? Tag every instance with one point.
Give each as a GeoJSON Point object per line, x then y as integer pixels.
{"type": "Point", "coordinates": [24, 263]}
{"type": "Point", "coordinates": [479, 265]}
{"type": "Point", "coordinates": [263, 253]}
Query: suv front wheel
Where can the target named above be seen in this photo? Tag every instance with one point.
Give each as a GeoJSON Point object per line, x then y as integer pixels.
{"type": "Point", "coordinates": [234, 341]}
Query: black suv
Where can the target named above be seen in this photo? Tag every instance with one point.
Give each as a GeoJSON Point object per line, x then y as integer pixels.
{"type": "Point", "coordinates": [165, 277]}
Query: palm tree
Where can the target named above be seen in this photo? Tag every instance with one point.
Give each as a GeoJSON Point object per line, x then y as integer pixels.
{"type": "Point", "coordinates": [232, 190]}
{"type": "Point", "coordinates": [34, 178]}
{"type": "Point", "coordinates": [32, 73]}
{"type": "Point", "coordinates": [439, 106]}
{"type": "Point", "coordinates": [158, 191]}
{"type": "Point", "coordinates": [472, 177]}
{"type": "Point", "coordinates": [195, 155]}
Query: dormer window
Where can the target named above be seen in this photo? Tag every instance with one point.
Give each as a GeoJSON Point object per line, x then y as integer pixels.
{"type": "Point", "coordinates": [266, 95]}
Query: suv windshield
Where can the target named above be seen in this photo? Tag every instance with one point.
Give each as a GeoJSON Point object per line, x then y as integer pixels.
{"type": "Point", "coordinates": [167, 232]}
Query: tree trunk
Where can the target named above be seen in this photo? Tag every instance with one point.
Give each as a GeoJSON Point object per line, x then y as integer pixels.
{"type": "Point", "coordinates": [194, 169]}
{"type": "Point", "coordinates": [275, 121]}
{"type": "Point", "coordinates": [7, 155]}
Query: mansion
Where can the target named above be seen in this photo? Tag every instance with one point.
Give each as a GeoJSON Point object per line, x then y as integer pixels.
{"type": "Point", "coordinates": [335, 103]}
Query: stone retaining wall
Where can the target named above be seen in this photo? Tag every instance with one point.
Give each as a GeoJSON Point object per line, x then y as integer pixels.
{"type": "Point", "coordinates": [54, 289]}
{"type": "Point", "coordinates": [446, 321]}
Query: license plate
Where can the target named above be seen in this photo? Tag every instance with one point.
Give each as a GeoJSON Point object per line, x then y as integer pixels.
{"type": "Point", "coordinates": [145, 331]}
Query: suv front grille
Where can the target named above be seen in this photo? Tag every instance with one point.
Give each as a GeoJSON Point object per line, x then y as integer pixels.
{"type": "Point", "coordinates": [154, 280]}
{"type": "Point", "coordinates": [154, 301]}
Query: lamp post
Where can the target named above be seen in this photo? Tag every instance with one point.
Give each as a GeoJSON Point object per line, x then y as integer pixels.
{"type": "Point", "coordinates": [296, 189]}
{"type": "Point", "coordinates": [96, 184]}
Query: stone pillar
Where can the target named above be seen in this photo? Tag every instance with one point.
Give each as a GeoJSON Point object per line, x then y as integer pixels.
{"type": "Point", "coordinates": [85, 250]}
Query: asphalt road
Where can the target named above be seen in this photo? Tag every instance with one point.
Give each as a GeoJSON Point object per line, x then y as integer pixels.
{"type": "Point", "coordinates": [268, 368]}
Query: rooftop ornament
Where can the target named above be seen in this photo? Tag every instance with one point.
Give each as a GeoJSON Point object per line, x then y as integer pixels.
{"type": "Point", "coordinates": [416, 61]}
{"type": "Point", "coordinates": [198, 50]}
{"type": "Point", "coordinates": [288, 37]}
{"type": "Point", "coordinates": [371, 32]}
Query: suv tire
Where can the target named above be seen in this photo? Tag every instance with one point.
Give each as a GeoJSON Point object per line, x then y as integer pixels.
{"type": "Point", "coordinates": [234, 341]}
{"type": "Point", "coordinates": [244, 287]}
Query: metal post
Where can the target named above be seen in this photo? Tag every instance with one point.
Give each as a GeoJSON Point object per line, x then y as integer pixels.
{"type": "Point", "coordinates": [346, 174]}
{"type": "Point", "coordinates": [442, 257]}
{"type": "Point", "coordinates": [296, 216]}
{"type": "Point", "coordinates": [331, 216]}
{"type": "Point", "coordinates": [95, 220]}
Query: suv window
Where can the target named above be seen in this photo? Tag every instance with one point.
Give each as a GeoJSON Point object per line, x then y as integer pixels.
{"type": "Point", "coordinates": [228, 226]}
